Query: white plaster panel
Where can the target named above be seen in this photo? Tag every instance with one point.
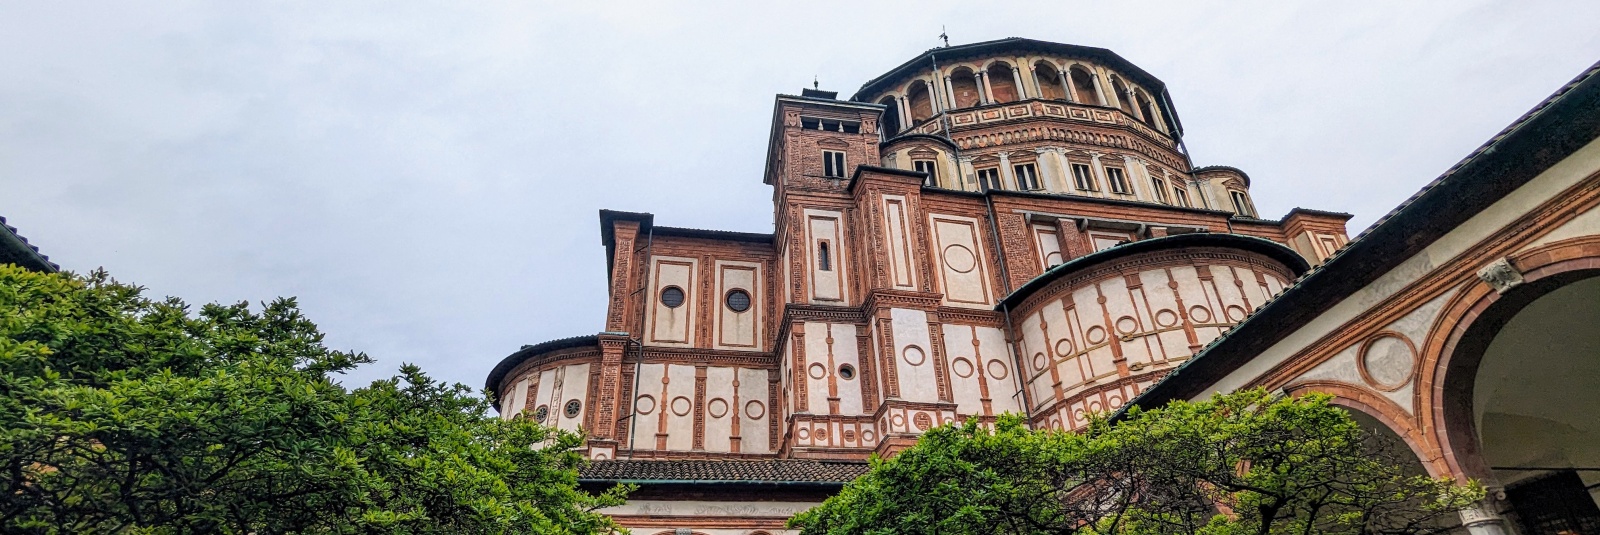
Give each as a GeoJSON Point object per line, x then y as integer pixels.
{"type": "Point", "coordinates": [824, 228]}
{"type": "Point", "coordinates": [899, 245]}
{"type": "Point", "coordinates": [671, 326]}
{"type": "Point", "coordinates": [680, 428]}
{"type": "Point", "coordinates": [1559, 177]}
{"type": "Point", "coordinates": [1002, 392]}
{"type": "Point", "coordinates": [644, 425]}
{"type": "Point", "coordinates": [574, 386]}
{"type": "Point", "coordinates": [917, 381]}
{"type": "Point", "coordinates": [846, 352]}
{"type": "Point", "coordinates": [817, 371]}
{"type": "Point", "coordinates": [963, 268]}
{"type": "Point", "coordinates": [753, 433]}
{"type": "Point", "coordinates": [719, 394]}
{"type": "Point", "coordinates": [1048, 245]}
{"type": "Point", "coordinates": [739, 330]}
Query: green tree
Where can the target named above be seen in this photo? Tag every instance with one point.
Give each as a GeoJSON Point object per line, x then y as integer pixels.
{"type": "Point", "coordinates": [123, 414]}
{"type": "Point", "coordinates": [1240, 463]}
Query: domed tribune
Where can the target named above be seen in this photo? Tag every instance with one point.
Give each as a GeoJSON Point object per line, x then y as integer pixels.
{"type": "Point", "coordinates": [1106, 323]}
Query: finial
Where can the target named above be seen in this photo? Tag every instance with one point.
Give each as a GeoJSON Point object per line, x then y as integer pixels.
{"type": "Point", "coordinates": [815, 84]}
{"type": "Point", "coordinates": [944, 35]}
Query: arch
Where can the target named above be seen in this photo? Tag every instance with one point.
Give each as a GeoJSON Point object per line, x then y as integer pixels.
{"type": "Point", "coordinates": [920, 100]}
{"type": "Point", "coordinates": [1002, 83]}
{"type": "Point", "coordinates": [1473, 320]}
{"type": "Point", "coordinates": [1121, 92]}
{"type": "Point", "coordinates": [1385, 412]}
{"type": "Point", "coordinates": [1051, 86]}
{"type": "Point", "coordinates": [1083, 86]}
{"type": "Point", "coordinates": [964, 85]}
{"type": "Point", "coordinates": [891, 116]}
{"type": "Point", "coordinates": [1146, 110]}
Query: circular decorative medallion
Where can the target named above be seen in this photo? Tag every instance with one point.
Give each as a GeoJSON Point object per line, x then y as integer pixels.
{"type": "Point", "coordinates": [816, 370]}
{"type": "Point", "coordinates": [573, 408]}
{"type": "Point", "coordinates": [868, 436]}
{"type": "Point", "coordinates": [997, 369]}
{"type": "Point", "coordinates": [681, 406]}
{"type": "Point", "coordinates": [717, 408]}
{"type": "Point", "coordinates": [755, 410]}
{"type": "Point", "coordinates": [1064, 347]}
{"type": "Point", "coordinates": [804, 433]}
{"type": "Point", "coordinates": [738, 300]}
{"type": "Point", "coordinates": [1094, 405]}
{"type": "Point", "coordinates": [541, 413]}
{"type": "Point", "coordinates": [1199, 314]}
{"type": "Point", "coordinates": [645, 404]}
{"type": "Point", "coordinates": [961, 367]}
{"type": "Point", "coordinates": [1127, 324]}
{"type": "Point", "coordinates": [1166, 318]}
{"type": "Point", "coordinates": [1039, 361]}
{"type": "Point", "coordinates": [1387, 361]}
{"type": "Point", "coordinates": [672, 296]}
{"type": "Point", "coordinates": [821, 433]}
{"type": "Point", "coordinates": [922, 421]}
{"type": "Point", "coordinates": [898, 420]}
{"type": "Point", "coordinates": [1095, 334]}
{"type": "Point", "coordinates": [1234, 313]}
{"type": "Point", "coordinates": [914, 355]}
{"type": "Point", "coordinates": [959, 258]}
{"type": "Point", "coordinates": [849, 436]}
{"type": "Point", "coordinates": [1114, 401]}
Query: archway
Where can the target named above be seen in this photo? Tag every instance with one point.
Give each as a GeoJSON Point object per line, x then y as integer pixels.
{"type": "Point", "coordinates": [1002, 82]}
{"type": "Point", "coordinates": [1520, 389]}
{"type": "Point", "coordinates": [965, 86]}
{"type": "Point", "coordinates": [1051, 86]}
{"type": "Point", "coordinates": [1121, 91]}
{"type": "Point", "coordinates": [1147, 112]}
{"type": "Point", "coordinates": [920, 101]}
{"type": "Point", "coordinates": [891, 116]}
{"type": "Point", "coordinates": [1083, 85]}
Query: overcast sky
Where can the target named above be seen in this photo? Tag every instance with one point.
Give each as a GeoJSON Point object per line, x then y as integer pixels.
{"type": "Point", "coordinates": [425, 177]}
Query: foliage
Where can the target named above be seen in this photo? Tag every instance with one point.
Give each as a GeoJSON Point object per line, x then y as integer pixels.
{"type": "Point", "coordinates": [122, 414]}
{"type": "Point", "coordinates": [1238, 463]}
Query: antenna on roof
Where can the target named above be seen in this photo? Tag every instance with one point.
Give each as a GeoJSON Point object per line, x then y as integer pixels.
{"type": "Point", "coordinates": [814, 83]}
{"type": "Point", "coordinates": [944, 35]}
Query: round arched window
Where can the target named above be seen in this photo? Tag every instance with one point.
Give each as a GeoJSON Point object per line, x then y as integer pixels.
{"type": "Point", "coordinates": [541, 413]}
{"type": "Point", "coordinates": [573, 406]}
{"type": "Point", "coordinates": [672, 296]}
{"type": "Point", "coordinates": [847, 372]}
{"type": "Point", "coordinates": [738, 301]}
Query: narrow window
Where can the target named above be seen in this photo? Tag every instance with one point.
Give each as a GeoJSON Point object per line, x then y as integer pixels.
{"type": "Point", "coordinates": [1180, 197]}
{"type": "Point", "coordinates": [1160, 187]}
{"type": "Point", "coordinates": [1083, 176]}
{"type": "Point", "coordinates": [989, 178]}
{"type": "Point", "coordinates": [927, 166]}
{"type": "Point", "coordinates": [833, 164]}
{"type": "Point", "coordinates": [1027, 177]}
{"type": "Point", "coordinates": [1119, 182]}
{"type": "Point", "coordinates": [1241, 204]}
{"type": "Point", "coordinates": [824, 262]}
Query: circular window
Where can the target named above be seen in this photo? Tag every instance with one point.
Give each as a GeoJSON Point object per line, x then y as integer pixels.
{"type": "Point", "coordinates": [573, 406]}
{"type": "Point", "coordinates": [847, 371]}
{"type": "Point", "coordinates": [738, 301]}
{"type": "Point", "coordinates": [541, 413]}
{"type": "Point", "coordinates": [672, 296]}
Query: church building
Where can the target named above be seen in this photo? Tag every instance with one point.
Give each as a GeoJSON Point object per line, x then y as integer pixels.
{"type": "Point", "coordinates": [1016, 226]}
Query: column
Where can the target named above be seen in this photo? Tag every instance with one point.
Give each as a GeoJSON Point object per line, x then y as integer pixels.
{"type": "Point", "coordinates": [905, 113]}
{"type": "Point", "coordinates": [968, 182]}
{"type": "Point", "coordinates": [934, 98]}
{"type": "Point", "coordinates": [950, 90]}
{"type": "Point", "coordinates": [1066, 83]}
{"type": "Point", "coordinates": [1058, 164]}
{"type": "Point", "coordinates": [1100, 91]}
{"type": "Point", "coordinates": [1100, 178]}
{"type": "Point", "coordinates": [1007, 179]}
{"type": "Point", "coordinates": [1016, 78]}
{"type": "Point", "coordinates": [1109, 97]}
{"type": "Point", "coordinates": [983, 82]}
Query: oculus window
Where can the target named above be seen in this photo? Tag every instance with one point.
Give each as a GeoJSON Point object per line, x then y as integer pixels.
{"type": "Point", "coordinates": [738, 301]}
{"type": "Point", "coordinates": [672, 296]}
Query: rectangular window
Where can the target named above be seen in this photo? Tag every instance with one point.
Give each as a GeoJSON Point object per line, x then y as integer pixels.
{"type": "Point", "coordinates": [1160, 187]}
{"type": "Point", "coordinates": [832, 164]}
{"type": "Point", "coordinates": [1180, 197]}
{"type": "Point", "coordinates": [824, 259]}
{"type": "Point", "coordinates": [927, 166]}
{"type": "Point", "coordinates": [1083, 177]}
{"type": "Point", "coordinates": [1241, 204]}
{"type": "Point", "coordinates": [989, 178]}
{"type": "Point", "coordinates": [1027, 176]}
{"type": "Point", "coordinates": [1119, 182]}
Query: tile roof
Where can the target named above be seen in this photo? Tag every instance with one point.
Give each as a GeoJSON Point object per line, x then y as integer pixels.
{"type": "Point", "coordinates": [725, 471]}
{"type": "Point", "coordinates": [15, 249]}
